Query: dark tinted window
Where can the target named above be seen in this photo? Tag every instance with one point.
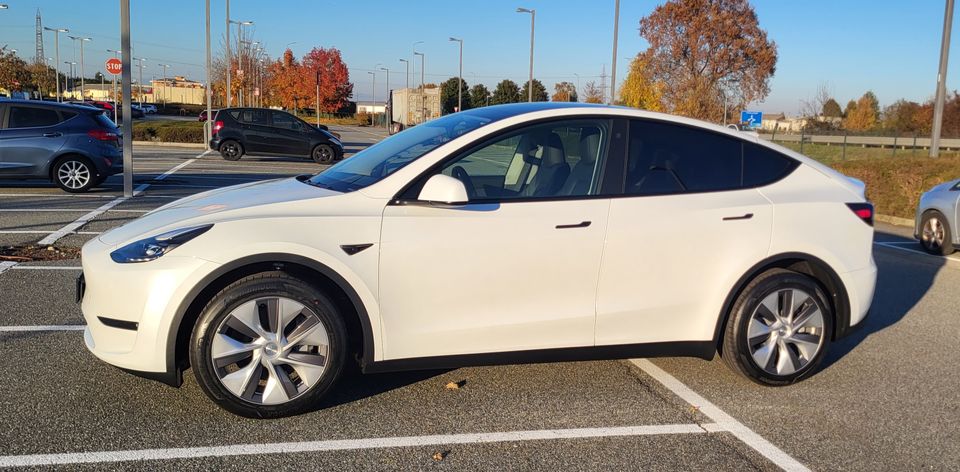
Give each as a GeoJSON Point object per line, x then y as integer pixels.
{"type": "Point", "coordinates": [762, 166]}
{"type": "Point", "coordinates": [31, 117]}
{"type": "Point", "coordinates": [285, 121]}
{"type": "Point", "coordinates": [666, 158]}
{"type": "Point", "coordinates": [254, 117]}
{"type": "Point", "coordinates": [104, 121]}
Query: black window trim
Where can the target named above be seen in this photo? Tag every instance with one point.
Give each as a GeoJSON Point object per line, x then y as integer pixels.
{"type": "Point", "coordinates": [743, 142]}
{"type": "Point", "coordinates": [615, 148]}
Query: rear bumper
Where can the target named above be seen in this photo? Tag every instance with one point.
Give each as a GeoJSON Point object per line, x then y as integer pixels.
{"type": "Point", "coordinates": [860, 285]}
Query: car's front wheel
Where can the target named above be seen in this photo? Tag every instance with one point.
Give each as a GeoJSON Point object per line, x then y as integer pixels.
{"type": "Point", "coordinates": [935, 234]}
{"type": "Point", "coordinates": [323, 154]}
{"type": "Point", "coordinates": [779, 328]}
{"type": "Point", "coordinates": [231, 150]}
{"type": "Point", "coordinates": [74, 174]}
{"type": "Point", "coordinates": [267, 346]}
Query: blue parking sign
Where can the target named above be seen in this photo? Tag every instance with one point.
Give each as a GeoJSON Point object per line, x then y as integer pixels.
{"type": "Point", "coordinates": [751, 118]}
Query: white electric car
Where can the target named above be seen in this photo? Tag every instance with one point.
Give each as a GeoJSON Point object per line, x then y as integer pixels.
{"type": "Point", "coordinates": [506, 234]}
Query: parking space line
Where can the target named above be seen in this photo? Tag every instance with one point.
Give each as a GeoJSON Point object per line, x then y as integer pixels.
{"type": "Point", "coordinates": [894, 245]}
{"type": "Point", "coordinates": [40, 231]}
{"type": "Point", "coordinates": [6, 265]}
{"type": "Point", "coordinates": [345, 445]}
{"type": "Point", "coordinates": [723, 420]}
{"type": "Point", "coordinates": [54, 210]}
{"type": "Point", "coordinates": [22, 329]}
{"type": "Point", "coordinates": [34, 267]}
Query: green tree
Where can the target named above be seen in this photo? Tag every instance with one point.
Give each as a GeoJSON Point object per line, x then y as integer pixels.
{"type": "Point", "coordinates": [14, 73]}
{"type": "Point", "coordinates": [564, 92]}
{"type": "Point", "coordinates": [479, 95]}
{"type": "Point", "coordinates": [539, 91]}
{"type": "Point", "coordinates": [831, 109]}
{"type": "Point", "coordinates": [448, 95]}
{"type": "Point", "coordinates": [507, 91]}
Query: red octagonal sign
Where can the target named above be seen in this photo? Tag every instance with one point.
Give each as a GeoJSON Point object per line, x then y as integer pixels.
{"type": "Point", "coordinates": [114, 66]}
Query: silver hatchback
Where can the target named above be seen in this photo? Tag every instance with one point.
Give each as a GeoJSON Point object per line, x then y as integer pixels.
{"type": "Point", "coordinates": [937, 216]}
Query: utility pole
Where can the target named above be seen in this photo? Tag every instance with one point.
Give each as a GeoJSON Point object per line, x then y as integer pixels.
{"type": "Point", "coordinates": [533, 18]}
{"type": "Point", "coordinates": [127, 89]}
{"type": "Point", "coordinates": [459, 77]}
{"type": "Point", "coordinates": [140, 81]}
{"type": "Point", "coordinates": [373, 99]}
{"type": "Point", "coordinates": [941, 80]}
{"type": "Point", "coordinates": [613, 70]}
{"type": "Point", "coordinates": [165, 94]}
{"type": "Point", "coordinates": [209, 93]}
{"type": "Point", "coordinates": [82, 79]}
{"type": "Point", "coordinates": [56, 45]}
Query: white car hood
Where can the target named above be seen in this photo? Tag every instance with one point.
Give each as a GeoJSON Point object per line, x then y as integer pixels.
{"type": "Point", "coordinates": [212, 206]}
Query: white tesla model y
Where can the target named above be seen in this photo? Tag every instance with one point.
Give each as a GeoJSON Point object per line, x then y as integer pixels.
{"type": "Point", "coordinates": [506, 234]}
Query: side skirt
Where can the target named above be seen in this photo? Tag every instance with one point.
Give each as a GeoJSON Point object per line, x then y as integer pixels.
{"type": "Point", "coordinates": [701, 349]}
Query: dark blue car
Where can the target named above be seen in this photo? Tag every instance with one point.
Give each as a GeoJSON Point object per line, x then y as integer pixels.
{"type": "Point", "coordinates": [74, 146]}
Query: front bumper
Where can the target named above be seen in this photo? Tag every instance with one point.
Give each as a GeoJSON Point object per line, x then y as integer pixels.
{"type": "Point", "coordinates": [129, 309]}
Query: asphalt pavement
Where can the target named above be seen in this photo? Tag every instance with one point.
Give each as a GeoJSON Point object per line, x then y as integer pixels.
{"type": "Point", "coordinates": [887, 398]}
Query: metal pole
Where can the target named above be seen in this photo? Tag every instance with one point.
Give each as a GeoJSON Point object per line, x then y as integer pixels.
{"type": "Point", "coordinates": [373, 100]}
{"type": "Point", "coordinates": [407, 76]}
{"type": "Point", "coordinates": [116, 106]}
{"type": "Point", "coordinates": [318, 95]}
{"type": "Point", "coordinates": [386, 117]}
{"type": "Point", "coordinates": [56, 42]}
{"type": "Point", "coordinates": [227, 32]}
{"type": "Point", "coordinates": [613, 70]}
{"type": "Point", "coordinates": [209, 93]}
{"type": "Point", "coordinates": [941, 80]}
{"type": "Point", "coordinates": [127, 77]}
{"type": "Point", "coordinates": [82, 69]}
{"type": "Point", "coordinates": [533, 18]}
{"type": "Point", "coordinates": [843, 155]}
{"type": "Point", "coordinates": [239, 58]}
{"type": "Point", "coordinates": [459, 77]}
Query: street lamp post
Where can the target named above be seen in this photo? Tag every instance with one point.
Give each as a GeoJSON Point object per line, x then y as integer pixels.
{"type": "Point", "coordinates": [318, 95]}
{"type": "Point", "coordinates": [386, 118]}
{"type": "Point", "coordinates": [56, 45]}
{"type": "Point", "coordinates": [941, 80]}
{"type": "Point", "coordinates": [227, 32]}
{"type": "Point", "coordinates": [613, 69]}
{"type": "Point", "coordinates": [68, 81]}
{"type": "Point", "coordinates": [533, 18]}
{"type": "Point", "coordinates": [459, 76]}
{"type": "Point", "coordinates": [82, 80]}
{"type": "Point", "coordinates": [140, 81]}
{"type": "Point", "coordinates": [165, 94]}
{"type": "Point", "coordinates": [373, 98]}
{"type": "Point", "coordinates": [423, 98]}
{"type": "Point", "coordinates": [407, 76]}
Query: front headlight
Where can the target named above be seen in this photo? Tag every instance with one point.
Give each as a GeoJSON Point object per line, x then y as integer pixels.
{"type": "Point", "coordinates": [146, 250]}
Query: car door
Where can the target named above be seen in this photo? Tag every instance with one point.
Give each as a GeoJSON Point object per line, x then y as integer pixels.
{"type": "Point", "coordinates": [288, 135]}
{"type": "Point", "coordinates": [685, 229]}
{"type": "Point", "coordinates": [513, 269]}
{"type": "Point", "coordinates": [30, 138]}
{"type": "Point", "coordinates": [257, 132]}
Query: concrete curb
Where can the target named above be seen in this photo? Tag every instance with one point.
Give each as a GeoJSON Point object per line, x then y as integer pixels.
{"type": "Point", "coordinates": [163, 144]}
{"type": "Point", "coordinates": [895, 220]}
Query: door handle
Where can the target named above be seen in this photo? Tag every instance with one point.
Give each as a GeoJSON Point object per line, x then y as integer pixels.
{"type": "Point", "coordinates": [52, 135]}
{"type": "Point", "coordinates": [741, 217]}
{"type": "Point", "coordinates": [582, 224]}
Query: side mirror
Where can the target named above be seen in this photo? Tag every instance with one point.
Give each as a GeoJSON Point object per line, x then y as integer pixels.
{"type": "Point", "coordinates": [443, 189]}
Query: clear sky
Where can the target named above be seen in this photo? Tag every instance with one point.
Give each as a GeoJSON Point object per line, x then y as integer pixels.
{"type": "Point", "coordinates": [888, 46]}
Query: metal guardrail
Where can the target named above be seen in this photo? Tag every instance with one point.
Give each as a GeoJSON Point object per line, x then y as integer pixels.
{"type": "Point", "coordinates": [905, 142]}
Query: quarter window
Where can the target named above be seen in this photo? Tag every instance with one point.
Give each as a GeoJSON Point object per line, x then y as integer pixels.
{"type": "Point", "coordinates": [32, 117]}
{"type": "Point", "coordinates": [762, 165]}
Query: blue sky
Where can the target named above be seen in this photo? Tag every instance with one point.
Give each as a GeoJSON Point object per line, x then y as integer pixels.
{"type": "Point", "coordinates": [891, 47]}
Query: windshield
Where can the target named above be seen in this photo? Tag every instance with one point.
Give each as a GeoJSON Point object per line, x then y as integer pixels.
{"type": "Point", "coordinates": [374, 163]}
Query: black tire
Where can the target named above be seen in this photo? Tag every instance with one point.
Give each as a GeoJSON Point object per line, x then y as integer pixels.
{"type": "Point", "coordinates": [935, 236]}
{"type": "Point", "coordinates": [323, 154]}
{"type": "Point", "coordinates": [257, 287]}
{"type": "Point", "coordinates": [231, 150]}
{"type": "Point", "coordinates": [736, 348]}
{"type": "Point", "coordinates": [74, 174]}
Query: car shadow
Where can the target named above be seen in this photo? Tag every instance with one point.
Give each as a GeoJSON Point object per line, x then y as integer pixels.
{"type": "Point", "coordinates": [355, 385]}
{"type": "Point", "coordinates": [897, 292]}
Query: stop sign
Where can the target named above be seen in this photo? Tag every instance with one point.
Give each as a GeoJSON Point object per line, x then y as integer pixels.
{"type": "Point", "coordinates": [114, 66]}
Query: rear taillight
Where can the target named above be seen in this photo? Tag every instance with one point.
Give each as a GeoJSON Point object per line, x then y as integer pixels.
{"type": "Point", "coordinates": [864, 211]}
{"type": "Point", "coordinates": [217, 126]}
{"type": "Point", "coordinates": [103, 135]}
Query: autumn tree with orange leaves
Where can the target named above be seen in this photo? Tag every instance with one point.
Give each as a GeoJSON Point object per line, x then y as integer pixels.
{"type": "Point", "coordinates": [705, 52]}
{"type": "Point", "coordinates": [293, 82]}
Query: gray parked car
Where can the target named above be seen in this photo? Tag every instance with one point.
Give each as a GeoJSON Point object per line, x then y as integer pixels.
{"type": "Point", "coordinates": [74, 146]}
{"type": "Point", "coordinates": [937, 219]}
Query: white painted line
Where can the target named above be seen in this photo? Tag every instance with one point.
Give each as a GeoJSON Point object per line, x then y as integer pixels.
{"type": "Point", "coordinates": [7, 265]}
{"type": "Point", "coordinates": [31, 231]}
{"type": "Point", "coordinates": [723, 420]}
{"type": "Point", "coordinates": [54, 195]}
{"type": "Point", "coordinates": [24, 329]}
{"type": "Point", "coordinates": [951, 258]}
{"type": "Point", "coordinates": [343, 445]}
{"type": "Point", "coordinates": [37, 267]}
{"type": "Point", "coordinates": [55, 210]}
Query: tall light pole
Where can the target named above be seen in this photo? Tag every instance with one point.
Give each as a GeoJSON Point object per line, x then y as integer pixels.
{"type": "Point", "coordinates": [209, 93]}
{"type": "Point", "coordinates": [423, 95]}
{"type": "Point", "coordinates": [388, 101]}
{"type": "Point", "coordinates": [407, 76]}
{"type": "Point", "coordinates": [165, 95]}
{"type": "Point", "coordinates": [941, 80]}
{"type": "Point", "coordinates": [240, 25]}
{"type": "Point", "coordinates": [373, 98]}
{"type": "Point", "coordinates": [69, 80]}
{"type": "Point", "coordinates": [613, 69]}
{"type": "Point", "coordinates": [140, 81]}
{"type": "Point", "coordinates": [82, 80]}
{"type": "Point", "coordinates": [533, 18]}
{"type": "Point", "coordinates": [126, 88]}
{"type": "Point", "coordinates": [56, 45]}
{"type": "Point", "coordinates": [318, 95]}
{"type": "Point", "coordinates": [459, 76]}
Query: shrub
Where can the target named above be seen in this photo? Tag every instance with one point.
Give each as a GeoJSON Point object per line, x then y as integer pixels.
{"type": "Point", "coordinates": [180, 134]}
{"type": "Point", "coordinates": [894, 185]}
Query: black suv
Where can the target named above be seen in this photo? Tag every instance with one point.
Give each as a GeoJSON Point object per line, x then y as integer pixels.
{"type": "Point", "coordinates": [239, 131]}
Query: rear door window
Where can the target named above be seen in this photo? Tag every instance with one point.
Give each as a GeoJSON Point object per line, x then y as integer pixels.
{"type": "Point", "coordinates": [32, 117]}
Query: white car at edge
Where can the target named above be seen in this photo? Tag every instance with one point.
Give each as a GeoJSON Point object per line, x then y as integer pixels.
{"type": "Point", "coordinates": [505, 234]}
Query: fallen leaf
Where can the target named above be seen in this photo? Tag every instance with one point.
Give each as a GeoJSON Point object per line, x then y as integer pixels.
{"type": "Point", "coordinates": [440, 455]}
{"type": "Point", "coordinates": [456, 385]}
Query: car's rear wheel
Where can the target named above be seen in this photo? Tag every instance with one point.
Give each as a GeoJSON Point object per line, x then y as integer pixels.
{"type": "Point", "coordinates": [231, 150]}
{"type": "Point", "coordinates": [323, 154]}
{"type": "Point", "coordinates": [267, 346]}
{"type": "Point", "coordinates": [779, 328]}
{"type": "Point", "coordinates": [935, 234]}
{"type": "Point", "coordinates": [74, 174]}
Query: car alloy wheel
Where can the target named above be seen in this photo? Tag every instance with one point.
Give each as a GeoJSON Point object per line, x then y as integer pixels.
{"type": "Point", "coordinates": [269, 351]}
{"type": "Point", "coordinates": [932, 235]}
{"type": "Point", "coordinates": [786, 331]}
{"type": "Point", "coordinates": [74, 175]}
{"type": "Point", "coordinates": [323, 154]}
{"type": "Point", "coordinates": [231, 150]}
